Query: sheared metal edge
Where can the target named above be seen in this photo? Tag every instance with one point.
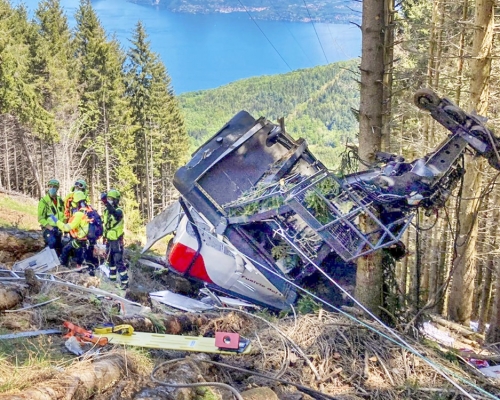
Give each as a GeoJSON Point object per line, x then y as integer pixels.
{"type": "Point", "coordinates": [179, 301]}
{"type": "Point", "coordinates": [164, 223]}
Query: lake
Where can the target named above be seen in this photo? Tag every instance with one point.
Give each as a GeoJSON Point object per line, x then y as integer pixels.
{"type": "Point", "coordinates": [211, 50]}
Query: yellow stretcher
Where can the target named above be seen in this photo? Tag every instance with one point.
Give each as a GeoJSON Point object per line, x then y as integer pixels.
{"type": "Point", "coordinates": [223, 343]}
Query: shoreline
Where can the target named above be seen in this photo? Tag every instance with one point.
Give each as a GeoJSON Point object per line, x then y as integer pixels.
{"type": "Point", "coordinates": [345, 14]}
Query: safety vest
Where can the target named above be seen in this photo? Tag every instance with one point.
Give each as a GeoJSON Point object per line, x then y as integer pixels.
{"type": "Point", "coordinates": [47, 207]}
{"type": "Point", "coordinates": [77, 226]}
{"type": "Point", "coordinates": [67, 204]}
{"type": "Point", "coordinates": [113, 230]}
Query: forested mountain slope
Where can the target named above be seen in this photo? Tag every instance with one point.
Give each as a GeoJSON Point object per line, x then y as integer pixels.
{"type": "Point", "coordinates": [316, 103]}
{"type": "Point", "coordinates": [285, 10]}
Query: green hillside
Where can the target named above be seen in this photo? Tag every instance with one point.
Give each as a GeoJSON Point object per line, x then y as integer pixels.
{"type": "Point", "coordinates": [282, 10]}
{"type": "Point", "coordinates": [317, 105]}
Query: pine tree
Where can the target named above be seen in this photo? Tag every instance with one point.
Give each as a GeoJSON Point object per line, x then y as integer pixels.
{"type": "Point", "coordinates": [160, 136]}
{"type": "Point", "coordinates": [104, 114]}
{"type": "Point", "coordinates": [19, 98]}
{"type": "Point", "coordinates": [52, 66]}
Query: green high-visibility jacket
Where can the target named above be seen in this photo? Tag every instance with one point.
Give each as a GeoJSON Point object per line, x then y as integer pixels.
{"type": "Point", "coordinates": [113, 222]}
{"type": "Point", "coordinates": [48, 206]}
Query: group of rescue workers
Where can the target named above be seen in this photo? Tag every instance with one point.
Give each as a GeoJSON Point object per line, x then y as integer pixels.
{"type": "Point", "coordinates": [58, 218]}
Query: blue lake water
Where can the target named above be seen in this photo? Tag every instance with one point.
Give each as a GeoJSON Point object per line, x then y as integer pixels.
{"type": "Point", "coordinates": [207, 51]}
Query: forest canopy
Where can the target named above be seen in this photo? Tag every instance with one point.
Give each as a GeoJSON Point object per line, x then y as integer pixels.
{"type": "Point", "coordinates": [317, 104]}
{"type": "Point", "coordinates": [74, 104]}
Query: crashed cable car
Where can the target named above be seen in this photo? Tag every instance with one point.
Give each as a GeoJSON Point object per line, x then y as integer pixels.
{"type": "Point", "coordinates": [258, 212]}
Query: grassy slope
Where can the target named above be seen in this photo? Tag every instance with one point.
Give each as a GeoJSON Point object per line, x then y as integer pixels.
{"type": "Point", "coordinates": [18, 211]}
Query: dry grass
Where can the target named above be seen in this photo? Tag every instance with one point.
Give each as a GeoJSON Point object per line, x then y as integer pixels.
{"type": "Point", "coordinates": [337, 357]}
{"type": "Point", "coordinates": [18, 211]}
{"type": "Point", "coordinates": [350, 360]}
{"type": "Point", "coordinates": [324, 351]}
{"type": "Point", "coordinates": [26, 362]}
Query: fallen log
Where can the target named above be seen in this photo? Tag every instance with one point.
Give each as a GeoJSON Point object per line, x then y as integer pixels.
{"type": "Point", "coordinates": [462, 330]}
{"type": "Point", "coordinates": [170, 324]}
{"type": "Point", "coordinates": [487, 357]}
{"type": "Point", "coordinates": [80, 382]}
{"type": "Point", "coordinates": [19, 242]}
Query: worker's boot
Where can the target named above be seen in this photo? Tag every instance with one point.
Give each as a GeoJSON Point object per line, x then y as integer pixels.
{"type": "Point", "coordinates": [122, 270]}
{"type": "Point", "coordinates": [112, 274]}
{"type": "Point", "coordinates": [90, 267]}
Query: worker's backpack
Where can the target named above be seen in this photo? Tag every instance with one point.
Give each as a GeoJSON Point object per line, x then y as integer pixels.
{"type": "Point", "coordinates": [95, 224]}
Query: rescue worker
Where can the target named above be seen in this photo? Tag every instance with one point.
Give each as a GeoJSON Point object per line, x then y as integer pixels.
{"type": "Point", "coordinates": [79, 186]}
{"type": "Point", "coordinates": [113, 221]}
{"type": "Point", "coordinates": [78, 227]}
{"type": "Point", "coordinates": [51, 204]}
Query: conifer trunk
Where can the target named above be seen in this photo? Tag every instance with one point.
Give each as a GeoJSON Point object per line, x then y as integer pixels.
{"type": "Point", "coordinates": [388, 76]}
{"type": "Point", "coordinates": [369, 270]}
{"type": "Point", "coordinates": [462, 289]}
{"type": "Point", "coordinates": [484, 301]}
{"type": "Point", "coordinates": [22, 139]}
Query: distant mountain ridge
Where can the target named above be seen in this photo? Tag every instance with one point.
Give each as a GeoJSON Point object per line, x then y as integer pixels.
{"type": "Point", "coordinates": [281, 10]}
{"type": "Point", "coordinates": [317, 104]}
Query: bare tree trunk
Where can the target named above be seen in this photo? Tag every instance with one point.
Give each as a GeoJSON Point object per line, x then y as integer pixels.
{"type": "Point", "coordinates": [388, 77]}
{"type": "Point", "coordinates": [416, 270]}
{"type": "Point", "coordinates": [434, 263]}
{"type": "Point", "coordinates": [484, 302]}
{"type": "Point", "coordinates": [152, 188]}
{"type": "Point", "coordinates": [6, 159]}
{"type": "Point", "coordinates": [369, 271]}
{"type": "Point", "coordinates": [402, 272]}
{"type": "Point", "coordinates": [22, 140]}
{"type": "Point", "coordinates": [493, 333]}
{"type": "Point", "coordinates": [438, 293]}
{"type": "Point", "coordinates": [462, 290]}
{"type": "Point", "coordinates": [460, 66]}
{"type": "Point", "coordinates": [106, 159]}
{"type": "Point", "coordinates": [147, 173]}
{"type": "Point", "coordinates": [42, 163]}
{"type": "Point", "coordinates": [18, 187]}
{"type": "Point", "coordinates": [55, 160]}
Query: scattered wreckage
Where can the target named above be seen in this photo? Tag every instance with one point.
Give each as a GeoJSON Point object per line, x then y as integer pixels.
{"type": "Point", "coordinates": [42, 264]}
{"type": "Point", "coordinates": [258, 212]}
